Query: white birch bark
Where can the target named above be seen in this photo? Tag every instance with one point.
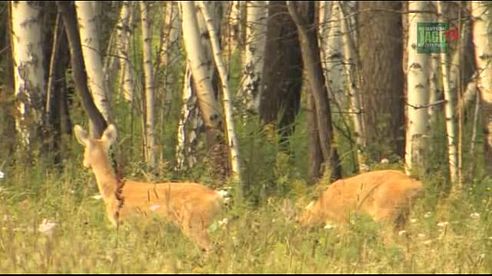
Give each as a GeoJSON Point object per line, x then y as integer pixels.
{"type": "Point", "coordinates": [188, 126]}
{"type": "Point", "coordinates": [435, 87]}
{"type": "Point", "coordinates": [331, 50]}
{"type": "Point", "coordinates": [418, 97]}
{"type": "Point", "coordinates": [482, 40]}
{"type": "Point", "coordinates": [215, 7]}
{"type": "Point", "coordinates": [256, 15]}
{"type": "Point", "coordinates": [449, 111]}
{"type": "Point", "coordinates": [229, 120]}
{"type": "Point", "coordinates": [190, 120]}
{"type": "Point", "coordinates": [123, 34]}
{"type": "Point", "coordinates": [117, 49]}
{"type": "Point", "coordinates": [351, 74]}
{"type": "Point", "coordinates": [29, 83]}
{"type": "Point", "coordinates": [91, 51]}
{"type": "Point", "coordinates": [197, 58]}
{"type": "Point", "coordinates": [150, 149]}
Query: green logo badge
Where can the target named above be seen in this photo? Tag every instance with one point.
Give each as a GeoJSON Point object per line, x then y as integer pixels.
{"type": "Point", "coordinates": [432, 37]}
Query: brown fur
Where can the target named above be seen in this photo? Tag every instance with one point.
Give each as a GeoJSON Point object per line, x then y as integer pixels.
{"type": "Point", "coordinates": [191, 206]}
{"type": "Point", "coordinates": [385, 195]}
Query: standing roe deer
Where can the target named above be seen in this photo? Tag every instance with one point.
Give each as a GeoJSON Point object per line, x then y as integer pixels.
{"type": "Point", "coordinates": [385, 195]}
{"type": "Point", "coordinates": [191, 206]}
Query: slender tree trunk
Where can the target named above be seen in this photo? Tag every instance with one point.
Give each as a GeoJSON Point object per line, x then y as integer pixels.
{"type": "Point", "coordinates": [89, 37]}
{"type": "Point", "coordinates": [315, 155]}
{"type": "Point", "coordinates": [482, 39]}
{"type": "Point", "coordinates": [229, 120]}
{"type": "Point", "coordinates": [59, 115]}
{"type": "Point", "coordinates": [150, 148]}
{"type": "Point", "coordinates": [312, 62]}
{"type": "Point", "coordinates": [330, 41]}
{"type": "Point", "coordinates": [29, 82]}
{"type": "Point", "coordinates": [435, 92]}
{"type": "Point", "coordinates": [256, 15]}
{"type": "Point", "coordinates": [123, 33]}
{"type": "Point", "coordinates": [7, 116]}
{"type": "Point", "coordinates": [51, 115]}
{"type": "Point", "coordinates": [67, 11]}
{"type": "Point", "coordinates": [353, 87]}
{"type": "Point", "coordinates": [418, 97]}
{"type": "Point", "coordinates": [171, 31]}
{"type": "Point", "coordinates": [449, 112]}
{"type": "Point", "coordinates": [53, 60]}
{"type": "Point", "coordinates": [170, 52]}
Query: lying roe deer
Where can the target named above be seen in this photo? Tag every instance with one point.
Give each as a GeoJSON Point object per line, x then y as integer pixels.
{"type": "Point", "coordinates": [191, 206]}
{"type": "Point", "coordinates": [385, 195]}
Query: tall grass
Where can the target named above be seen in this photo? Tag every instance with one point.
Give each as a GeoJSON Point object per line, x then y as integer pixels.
{"type": "Point", "coordinates": [447, 236]}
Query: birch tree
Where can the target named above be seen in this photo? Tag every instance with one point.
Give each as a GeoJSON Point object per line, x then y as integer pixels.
{"type": "Point", "coordinates": [482, 40]}
{"type": "Point", "coordinates": [229, 120]}
{"type": "Point", "coordinates": [197, 58]}
{"type": "Point", "coordinates": [123, 34]}
{"type": "Point", "coordinates": [352, 76]}
{"type": "Point", "coordinates": [149, 141]}
{"type": "Point", "coordinates": [330, 41]}
{"type": "Point", "coordinates": [29, 83]}
{"type": "Point", "coordinates": [449, 111]}
{"type": "Point", "coordinates": [253, 58]}
{"type": "Point", "coordinates": [91, 51]}
{"type": "Point", "coordinates": [188, 125]}
{"type": "Point", "coordinates": [417, 96]}
{"type": "Point", "coordinates": [435, 87]}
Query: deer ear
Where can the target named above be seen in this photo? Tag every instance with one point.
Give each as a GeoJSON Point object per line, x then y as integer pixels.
{"type": "Point", "coordinates": [81, 135]}
{"type": "Point", "coordinates": [109, 135]}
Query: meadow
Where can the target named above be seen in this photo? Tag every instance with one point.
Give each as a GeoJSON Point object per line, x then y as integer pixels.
{"type": "Point", "coordinates": [53, 221]}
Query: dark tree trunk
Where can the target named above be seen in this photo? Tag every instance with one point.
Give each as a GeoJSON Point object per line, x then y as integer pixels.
{"type": "Point", "coordinates": [379, 27]}
{"type": "Point", "coordinates": [314, 72]}
{"type": "Point", "coordinates": [315, 156]}
{"type": "Point", "coordinates": [7, 110]}
{"type": "Point", "coordinates": [282, 72]}
{"type": "Point", "coordinates": [67, 11]}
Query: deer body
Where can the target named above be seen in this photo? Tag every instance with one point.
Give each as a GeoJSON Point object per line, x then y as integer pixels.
{"type": "Point", "coordinates": [385, 195]}
{"type": "Point", "coordinates": [191, 206]}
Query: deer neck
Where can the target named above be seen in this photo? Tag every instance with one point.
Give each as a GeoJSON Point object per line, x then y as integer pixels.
{"type": "Point", "coordinates": [106, 180]}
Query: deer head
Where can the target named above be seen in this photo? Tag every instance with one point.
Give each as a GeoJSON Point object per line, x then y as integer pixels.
{"type": "Point", "coordinates": [95, 149]}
